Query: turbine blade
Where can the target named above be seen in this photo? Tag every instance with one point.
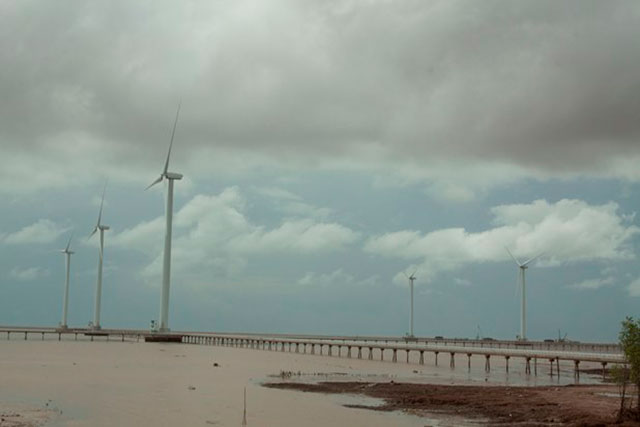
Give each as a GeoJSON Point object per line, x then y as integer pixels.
{"type": "Point", "coordinates": [514, 258]}
{"type": "Point", "coordinates": [173, 132]}
{"type": "Point", "coordinates": [154, 182]}
{"type": "Point", "coordinates": [414, 273]}
{"type": "Point", "coordinates": [101, 204]}
{"type": "Point", "coordinates": [534, 258]}
{"type": "Point", "coordinates": [69, 243]}
{"type": "Point", "coordinates": [405, 274]}
{"type": "Point", "coordinates": [93, 232]}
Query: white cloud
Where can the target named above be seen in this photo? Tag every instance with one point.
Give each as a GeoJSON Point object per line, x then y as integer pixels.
{"type": "Point", "coordinates": [292, 204]}
{"type": "Point", "coordinates": [42, 231]}
{"type": "Point", "coordinates": [28, 274]}
{"type": "Point", "coordinates": [567, 231]}
{"type": "Point", "coordinates": [213, 233]}
{"type": "Point", "coordinates": [593, 283]}
{"type": "Point", "coordinates": [335, 278]}
{"type": "Point", "coordinates": [634, 288]}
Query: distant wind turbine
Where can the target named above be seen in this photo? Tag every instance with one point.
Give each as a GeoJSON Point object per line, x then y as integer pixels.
{"type": "Point", "coordinates": [411, 278]}
{"type": "Point", "coordinates": [166, 264]}
{"type": "Point", "coordinates": [65, 303]}
{"type": "Point", "coordinates": [102, 228]}
{"type": "Point", "coordinates": [523, 304]}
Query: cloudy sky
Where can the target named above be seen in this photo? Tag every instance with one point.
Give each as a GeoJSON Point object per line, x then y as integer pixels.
{"type": "Point", "coordinates": [327, 148]}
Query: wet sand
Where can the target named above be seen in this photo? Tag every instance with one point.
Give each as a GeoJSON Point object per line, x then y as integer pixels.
{"type": "Point", "coordinates": [103, 383]}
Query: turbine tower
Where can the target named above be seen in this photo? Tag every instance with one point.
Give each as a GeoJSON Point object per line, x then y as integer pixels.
{"type": "Point", "coordinates": [523, 303]}
{"type": "Point", "coordinates": [166, 263]}
{"type": "Point", "coordinates": [411, 278]}
{"type": "Point", "coordinates": [102, 228]}
{"type": "Point", "coordinates": [65, 303]}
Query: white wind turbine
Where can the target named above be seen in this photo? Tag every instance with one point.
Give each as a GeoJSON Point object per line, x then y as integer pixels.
{"type": "Point", "coordinates": [65, 303]}
{"type": "Point", "coordinates": [411, 278]}
{"type": "Point", "coordinates": [523, 303]}
{"type": "Point", "coordinates": [166, 263]}
{"type": "Point", "coordinates": [99, 227]}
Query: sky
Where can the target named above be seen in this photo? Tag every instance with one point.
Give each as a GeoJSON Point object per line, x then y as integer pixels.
{"type": "Point", "coordinates": [328, 148]}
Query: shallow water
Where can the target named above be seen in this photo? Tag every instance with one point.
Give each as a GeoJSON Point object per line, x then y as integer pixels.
{"type": "Point", "coordinates": [133, 383]}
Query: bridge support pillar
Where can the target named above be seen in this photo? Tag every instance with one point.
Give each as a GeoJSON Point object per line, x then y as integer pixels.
{"type": "Point", "coordinates": [576, 371]}
{"type": "Point", "coordinates": [468, 362]}
{"type": "Point", "coordinates": [436, 353]}
{"type": "Point", "coordinates": [25, 336]}
{"type": "Point", "coordinates": [487, 363]}
{"type": "Point", "coordinates": [604, 370]}
{"type": "Point", "coordinates": [527, 366]}
{"type": "Point", "coordinates": [370, 353]}
{"type": "Point", "coordinates": [421, 357]}
{"type": "Point", "coordinates": [407, 350]}
{"type": "Point", "coordinates": [452, 360]}
{"type": "Point", "coordinates": [551, 367]}
{"type": "Point", "coordinates": [349, 352]}
{"type": "Point", "coordinates": [359, 352]}
{"type": "Point", "coordinates": [395, 356]}
{"type": "Point", "coordinates": [506, 358]}
{"type": "Point", "coordinates": [381, 353]}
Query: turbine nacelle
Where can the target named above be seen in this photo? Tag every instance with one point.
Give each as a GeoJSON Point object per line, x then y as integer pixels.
{"type": "Point", "coordinates": [173, 175]}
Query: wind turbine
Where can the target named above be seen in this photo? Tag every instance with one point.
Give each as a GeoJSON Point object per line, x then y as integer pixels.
{"type": "Point", "coordinates": [166, 263]}
{"type": "Point", "coordinates": [65, 303]}
{"type": "Point", "coordinates": [411, 278]}
{"type": "Point", "coordinates": [523, 303]}
{"type": "Point", "coordinates": [102, 228]}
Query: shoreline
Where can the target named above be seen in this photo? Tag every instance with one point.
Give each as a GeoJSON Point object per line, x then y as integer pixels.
{"type": "Point", "coordinates": [583, 405]}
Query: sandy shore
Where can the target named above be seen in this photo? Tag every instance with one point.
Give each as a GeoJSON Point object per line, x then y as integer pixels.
{"type": "Point", "coordinates": [103, 383]}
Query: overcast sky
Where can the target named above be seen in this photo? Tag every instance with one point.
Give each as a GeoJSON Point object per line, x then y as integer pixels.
{"type": "Point", "coordinates": [327, 147]}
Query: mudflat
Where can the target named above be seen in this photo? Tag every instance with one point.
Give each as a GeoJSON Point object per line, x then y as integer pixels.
{"type": "Point", "coordinates": [579, 405]}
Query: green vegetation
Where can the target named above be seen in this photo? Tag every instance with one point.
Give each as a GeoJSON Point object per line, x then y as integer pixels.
{"type": "Point", "coordinates": [630, 342]}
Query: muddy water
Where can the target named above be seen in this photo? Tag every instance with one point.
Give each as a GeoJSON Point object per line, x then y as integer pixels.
{"type": "Point", "coordinates": [129, 383]}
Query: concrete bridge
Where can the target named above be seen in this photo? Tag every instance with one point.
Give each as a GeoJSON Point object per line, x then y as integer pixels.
{"type": "Point", "coordinates": [369, 348]}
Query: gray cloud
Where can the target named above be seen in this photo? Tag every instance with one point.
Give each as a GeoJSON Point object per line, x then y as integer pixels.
{"type": "Point", "coordinates": [506, 89]}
